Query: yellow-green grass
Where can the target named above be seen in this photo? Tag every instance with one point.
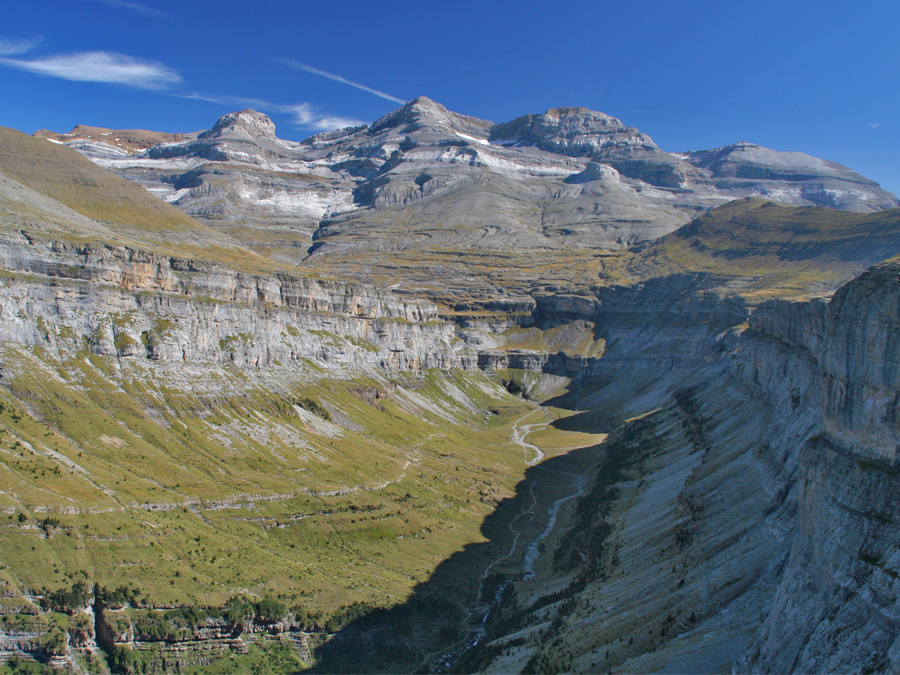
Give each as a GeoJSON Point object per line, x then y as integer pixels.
{"type": "Point", "coordinates": [576, 338]}
{"type": "Point", "coordinates": [554, 441]}
{"type": "Point", "coordinates": [63, 174]}
{"type": "Point", "coordinates": [120, 208]}
{"type": "Point", "coordinates": [115, 470]}
{"type": "Point", "coordinates": [764, 250]}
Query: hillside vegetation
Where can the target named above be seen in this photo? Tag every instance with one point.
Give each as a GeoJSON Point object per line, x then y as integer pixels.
{"type": "Point", "coordinates": [764, 250]}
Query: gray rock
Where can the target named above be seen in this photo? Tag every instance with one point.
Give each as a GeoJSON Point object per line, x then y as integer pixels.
{"type": "Point", "coordinates": [568, 177]}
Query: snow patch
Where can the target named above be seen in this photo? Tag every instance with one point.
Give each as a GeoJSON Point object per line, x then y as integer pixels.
{"type": "Point", "coordinates": [130, 162]}
{"type": "Point", "coordinates": [308, 202]}
{"type": "Point", "coordinates": [481, 141]}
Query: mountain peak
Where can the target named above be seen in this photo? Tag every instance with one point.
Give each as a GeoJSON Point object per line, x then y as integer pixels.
{"type": "Point", "coordinates": [423, 112]}
{"type": "Point", "coordinates": [423, 102]}
{"type": "Point", "coordinates": [423, 107]}
{"type": "Point", "coordinates": [572, 131]}
{"type": "Point", "coordinates": [561, 112]}
{"type": "Point", "coordinates": [245, 124]}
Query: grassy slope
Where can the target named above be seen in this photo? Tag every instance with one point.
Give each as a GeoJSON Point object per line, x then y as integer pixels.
{"type": "Point", "coordinates": [118, 205]}
{"type": "Point", "coordinates": [192, 494]}
{"type": "Point", "coordinates": [762, 249]}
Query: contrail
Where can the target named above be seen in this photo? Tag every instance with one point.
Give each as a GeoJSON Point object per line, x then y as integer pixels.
{"type": "Point", "coordinates": [337, 78]}
{"type": "Point", "coordinates": [136, 7]}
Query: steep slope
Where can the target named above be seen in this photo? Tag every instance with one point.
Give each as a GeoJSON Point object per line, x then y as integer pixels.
{"type": "Point", "coordinates": [23, 208]}
{"type": "Point", "coordinates": [118, 206]}
{"type": "Point", "coordinates": [62, 174]}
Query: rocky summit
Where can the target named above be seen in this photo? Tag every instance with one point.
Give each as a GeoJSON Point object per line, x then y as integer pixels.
{"type": "Point", "coordinates": [570, 177]}
{"type": "Point", "coordinates": [442, 395]}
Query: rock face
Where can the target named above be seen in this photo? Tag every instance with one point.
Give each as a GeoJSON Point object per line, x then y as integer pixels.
{"type": "Point", "coordinates": [424, 177]}
{"type": "Point", "coordinates": [743, 513]}
{"type": "Point", "coordinates": [131, 304]}
{"type": "Point", "coordinates": [246, 124]}
{"type": "Point", "coordinates": [579, 132]}
{"type": "Point", "coordinates": [837, 606]}
{"type": "Point", "coordinates": [760, 492]}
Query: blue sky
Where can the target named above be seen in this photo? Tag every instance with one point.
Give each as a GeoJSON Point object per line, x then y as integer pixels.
{"type": "Point", "coordinates": [819, 77]}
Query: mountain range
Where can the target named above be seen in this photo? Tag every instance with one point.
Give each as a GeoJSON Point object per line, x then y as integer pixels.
{"type": "Point", "coordinates": [570, 177]}
{"type": "Point", "coordinates": [438, 394]}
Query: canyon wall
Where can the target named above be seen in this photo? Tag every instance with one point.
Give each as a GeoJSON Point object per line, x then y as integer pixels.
{"type": "Point", "coordinates": [746, 518]}
{"type": "Point", "coordinates": [744, 515]}
{"type": "Point", "coordinates": [115, 301]}
{"type": "Point", "coordinates": [837, 606]}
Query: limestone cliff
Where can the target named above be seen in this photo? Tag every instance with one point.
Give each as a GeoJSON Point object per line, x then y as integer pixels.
{"type": "Point", "coordinates": [131, 303]}
{"type": "Point", "coordinates": [837, 607]}
{"type": "Point", "coordinates": [746, 517]}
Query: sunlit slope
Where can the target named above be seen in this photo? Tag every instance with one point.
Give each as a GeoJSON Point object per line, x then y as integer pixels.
{"type": "Point", "coordinates": [762, 249]}
{"type": "Point", "coordinates": [22, 208]}
{"type": "Point", "coordinates": [124, 213]}
{"type": "Point", "coordinates": [193, 483]}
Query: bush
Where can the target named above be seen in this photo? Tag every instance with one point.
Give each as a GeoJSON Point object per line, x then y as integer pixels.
{"type": "Point", "coordinates": [122, 660]}
{"type": "Point", "coordinates": [68, 600]}
{"type": "Point", "coordinates": [313, 406]}
{"type": "Point", "coordinates": [270, 609]}
{"type": "Point", "coordinates": [237, 609]}
{"type": "Point", "coordinates": [119, 597]}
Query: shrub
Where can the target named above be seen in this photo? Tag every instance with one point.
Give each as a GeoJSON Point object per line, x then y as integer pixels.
{"type": "Point", "coordinates": [270, 609]}
{"type": "Point", "coordinates": [313, 406]}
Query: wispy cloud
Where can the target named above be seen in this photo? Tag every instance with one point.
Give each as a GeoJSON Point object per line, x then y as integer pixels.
{"type": "Point", "coordinates": [873, 125]}
{"type": "Point", "coordinates": [20, 46]}
{"type": "Point", "coordinates": [291, 63]}
{"type": "Point", "coordinates": [100, 67]}
{"type": "Point", "coordinates": [308, 116]}
{"type": "Point", "coordinates": [305, 115]}
{"type": "Point", "coordinates": [224, 99]}
{"type": "Point", "coordinates": [136, 7]}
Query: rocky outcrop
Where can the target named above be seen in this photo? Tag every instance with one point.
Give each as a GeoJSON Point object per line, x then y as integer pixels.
{"type": "Point", "coordinates": [129, 303]}
{"type": "Point", "coordinates": [246, 124]}
{"type": "Point", "coordinates": [836, 607]}
{"type": "Point", "coordinates": [579, 132]}
{"type": "Point", "coordinates": [139, 271]}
